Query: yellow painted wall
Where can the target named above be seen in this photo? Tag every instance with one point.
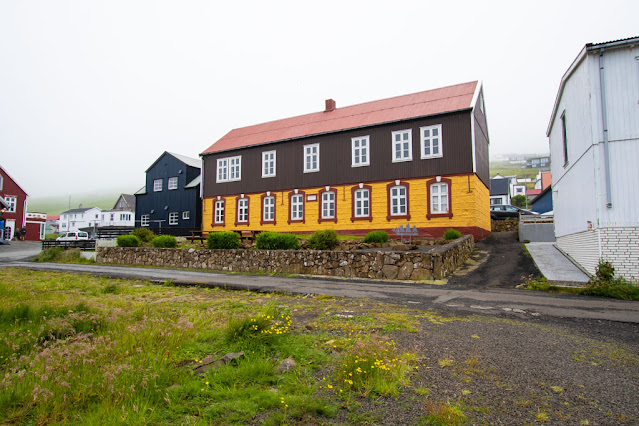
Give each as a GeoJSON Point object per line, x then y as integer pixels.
{"type": "Point", "coordinates": [469, 197]}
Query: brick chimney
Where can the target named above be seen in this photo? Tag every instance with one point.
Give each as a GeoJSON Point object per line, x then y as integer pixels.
{"type": "Point", "coordinates": [330, 105]}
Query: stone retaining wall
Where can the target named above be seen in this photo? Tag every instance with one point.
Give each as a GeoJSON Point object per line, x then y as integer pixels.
{"type": "Point", "coordinates": [401, 265]}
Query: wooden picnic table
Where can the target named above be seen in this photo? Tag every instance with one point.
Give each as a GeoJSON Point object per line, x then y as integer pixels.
{"type": "Point", "coordinates": [198, 236]}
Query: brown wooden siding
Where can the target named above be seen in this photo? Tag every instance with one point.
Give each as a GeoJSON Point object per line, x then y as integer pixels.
{"type": "Point", "coordinates": [335, 158]}
{"type": "Point", "coordinates": [482, 142]}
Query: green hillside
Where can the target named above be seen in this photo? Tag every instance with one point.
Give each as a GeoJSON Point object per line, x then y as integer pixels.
{"type": "Point", "coordinates": [55, 205]}
{"type": "Point", "coordinates": [505, 168]}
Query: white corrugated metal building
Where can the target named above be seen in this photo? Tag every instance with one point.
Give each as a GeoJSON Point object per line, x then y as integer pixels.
{"type": "Point", "coordinates": [594, 146]}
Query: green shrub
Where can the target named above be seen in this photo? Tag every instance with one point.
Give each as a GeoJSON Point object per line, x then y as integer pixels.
{"type": "Point", "coordinates": [51, 236]}
{"type": "Point", "coordinates": [127, 241]}
{"type": "Point", "coordinates": [144, 234]}
{"type": "Point", "coordinates": [323, 240]}
{"type": "Point", "coordinates": [605, 284]}
{"type": "Point", "coordinates": [223, 240]}
{"type": "Point", "coordinates": [604, 271]}
{"type": "Point", "coordinates": [276, 241]}
{"type": "Point", "coordinates": [164, 241]}
{"type": "Point", "coordinates": [452, 234]}
{"type": "Point", "coordinates": [376, 237]}
{"type": "Point", "coordinates": [60, 255]}
{"type": "Point", "coordinates": [49, 255]}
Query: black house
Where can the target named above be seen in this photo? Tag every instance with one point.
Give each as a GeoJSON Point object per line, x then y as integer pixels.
{"type": "Point", "coordinates": [170, 201]}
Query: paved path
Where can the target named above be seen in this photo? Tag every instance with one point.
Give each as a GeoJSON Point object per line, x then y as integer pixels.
{"type": "Point", "coordinates": [19, 250]}
{"type": "Point", "coordinates": [556, 267]}
{"type": "Point", "coordinates": [510, 302]}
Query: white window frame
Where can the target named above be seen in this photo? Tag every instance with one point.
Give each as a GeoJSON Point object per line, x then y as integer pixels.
{"type": "Point", "coordinates": [144, 220]}
{"type": "Point", "coordinates": [242, 210]}
{"type": "Point", "coordinates": [173, 183]}
{"type": "Point", "coordinates": [360, 147]}
{"type": "Point", "coordinates": [186, 215]}
{"type": "Point", "coordinates": [297, 207]}
{"type": "Point", "coordinates": [362, 204]}
{"type": "Point", "coordinates": [427, 141]}
{"type": "Point", "coordinates": [395, 199]}
{"type": "Point", "coordinates": [235, 168]}
{"type": "Point", "coordinates": [219, 212]}
{"type": "Point", "coordinates": [157, 185]}
{"type": "Point", "coordinates": [222, 174]}
{"type": "Point", "coordinates": [403, 157]}
{"type": "Point", "coordinates": [436, 203]}
{"type": "Point", "coordinates": [309, 167]}
{"type": "Point", "coordinates": [173, 218]}
{"type": "Point", "coordinates": [328, 204]}
{"type": "Point", "coordinates": [12, 202]}
{"type": "Point", "coordinates": [268, 209]}
{"type": "Point", "coordinates": [269, 163]}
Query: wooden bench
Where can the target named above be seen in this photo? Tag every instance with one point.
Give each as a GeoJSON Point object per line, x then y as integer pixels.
{"type": "Point", "coordinates": [247, 235]}
{"type": "Point", "coordinates": [198, 236]}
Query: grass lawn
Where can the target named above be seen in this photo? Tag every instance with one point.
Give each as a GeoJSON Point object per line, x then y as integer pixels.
{"type": "Point", "coordinates": [93, 350]}
{"type": "Point", "coordinates": [77, 349]}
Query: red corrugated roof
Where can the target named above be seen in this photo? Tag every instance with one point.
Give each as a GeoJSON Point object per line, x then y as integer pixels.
{"type": "Point", "coordinates": [430, 102]}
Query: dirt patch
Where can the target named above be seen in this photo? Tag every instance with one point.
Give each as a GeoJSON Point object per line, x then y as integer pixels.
{"type": "Point", "coordinates": [498, 261]}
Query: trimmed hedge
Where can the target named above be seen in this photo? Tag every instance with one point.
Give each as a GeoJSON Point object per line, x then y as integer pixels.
{"type": "Point", "coordinates": [376, 237]}
{"type": "Point", "coordinates": [164, 241]}
{"type": "Point", "coordinates": [223, 240]}
{"type": "Point", "coordinates": [452, 234]}
{"type": "Point", "coordinates": [127, 241]}
{"type": "Point", "coordinates": [323, 240]}
{"type": "Point", "coordinates": [144, 234]}
{"type": "Point", "coordinates": [276, 241]}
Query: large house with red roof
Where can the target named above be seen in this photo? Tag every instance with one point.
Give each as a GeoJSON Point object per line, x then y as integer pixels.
{"type": "Point", "coordinates": [420, 159]}
{"type": "Point", "coordinates": [15, 198]}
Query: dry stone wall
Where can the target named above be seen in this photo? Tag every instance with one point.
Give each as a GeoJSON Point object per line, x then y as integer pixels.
{"type": "Point", "coordinates": [389, 265]}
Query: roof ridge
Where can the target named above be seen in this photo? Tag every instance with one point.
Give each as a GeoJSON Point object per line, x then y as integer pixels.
{"type": "Point", "coordinates": [336, 118]}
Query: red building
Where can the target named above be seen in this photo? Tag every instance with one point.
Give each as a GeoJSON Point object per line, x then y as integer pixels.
{"type": "Point", "coordinates": [15, 215]}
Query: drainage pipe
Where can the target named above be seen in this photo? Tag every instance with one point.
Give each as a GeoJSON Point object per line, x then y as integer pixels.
{"type": "Point", "coordinates": [604, 114]}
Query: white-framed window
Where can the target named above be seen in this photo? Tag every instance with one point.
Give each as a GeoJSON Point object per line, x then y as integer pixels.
{"type": "Point", "coordinates": [360, 151]}
{"type": "Point", "coordinates": [144, 220]}
{"type": "Point", "coordinates": [268, 164]}
{"type": "Point", "coordinates": [268, 207]}
{"type": "Point", "coordinates": [112, 217]}
{"type": "Point", "coordinates": [1, 182]}
{"type": "Point", "coordinates": [431, 143]}
{"type": "Point", "coordinates": [235, 168]}
{"type": "Point", "coordinates": [311, 158]}
{"type": "Point", "coordinates": [219, 212]}
{"type": "Point", "coordinates": [242, 210]}
{"type": "Point", "coordinates": [11, 201]}
{"type": "Point", "coordinates": [222, 170]}
{"type": "Point", "coordinates": [173, 218]}
{"type": "Point", "coordinates": [186, 215]}
{"type": "Point", "coordinates": [439, 198]}
{"type": "Point", "coordinates": [328, 205]}
{"type": "Point", "coordinates": [402, 145]}
{"type": "Point", "coordinates": [297, 207]}
{"type": "Point", "coordinates": [362, 203]}
{"type": "Point", "coordinates": [157, 185]}
{"type": "Point", "coordinates": [173, 183]}
{"type": "Point", "coordinates": [229, 169]}
{"type": "Point", "coordinates": [398, 201]}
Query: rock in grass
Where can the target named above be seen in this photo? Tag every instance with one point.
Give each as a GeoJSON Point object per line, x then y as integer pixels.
{"type": "Point", "coordinates": [209, 362]}
{"type": "Point", "coordinates": [286, 365]}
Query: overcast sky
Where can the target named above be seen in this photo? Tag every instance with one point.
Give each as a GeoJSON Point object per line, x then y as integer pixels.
{"type": "Point", "coordinates": [92, 92]}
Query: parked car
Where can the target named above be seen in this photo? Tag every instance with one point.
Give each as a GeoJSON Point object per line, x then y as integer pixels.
{"type": "Point", "coordinates": [505, 211]}
{"type": "Point", "coordinates": [74, 236]}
